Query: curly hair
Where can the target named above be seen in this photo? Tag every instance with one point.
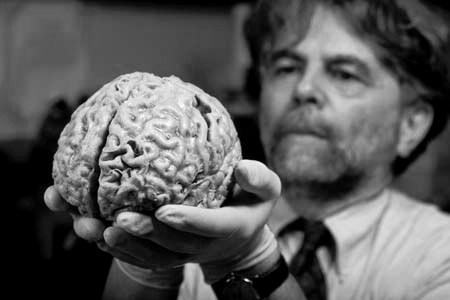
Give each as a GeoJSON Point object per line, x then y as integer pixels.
{"type": "Point", "coordinates": [410, 39]}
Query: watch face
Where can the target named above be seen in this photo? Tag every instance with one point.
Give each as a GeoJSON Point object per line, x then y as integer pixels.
{"type": "Point", "coordinates": [239, 289]}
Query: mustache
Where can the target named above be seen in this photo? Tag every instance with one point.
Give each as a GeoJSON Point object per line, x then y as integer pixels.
{"type": "Point", "coordinates": [302, 121]}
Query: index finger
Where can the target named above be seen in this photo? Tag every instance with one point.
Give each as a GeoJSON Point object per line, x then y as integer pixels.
{"type": "Point", "coordinates": [256, 178]}
{"type": "Point", "coordinates": [54, 201]}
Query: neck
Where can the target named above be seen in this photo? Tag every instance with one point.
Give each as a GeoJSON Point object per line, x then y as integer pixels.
{"type": "Point", "coordinates": [311, 206]}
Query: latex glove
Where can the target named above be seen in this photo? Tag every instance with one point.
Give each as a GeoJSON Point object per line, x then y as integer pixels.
{"type": "Point", "coordinates": [224, 239]}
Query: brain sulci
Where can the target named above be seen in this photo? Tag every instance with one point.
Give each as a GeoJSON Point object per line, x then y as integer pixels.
{"type": "Point", "coordinates": [142, 141]}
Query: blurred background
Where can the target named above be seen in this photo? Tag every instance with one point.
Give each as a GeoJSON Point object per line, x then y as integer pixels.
{"type": "Point", "coordinates": [55, 54]}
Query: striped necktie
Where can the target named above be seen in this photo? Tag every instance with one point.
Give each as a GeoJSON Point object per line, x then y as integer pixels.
{"type": "Point", "coordinates": [305, 266]}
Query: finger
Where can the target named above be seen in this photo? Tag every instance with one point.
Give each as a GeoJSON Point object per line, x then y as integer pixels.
{"type": "Point", "coordinates": [150, 228]}
{"type": "Point", "coordinates": [243, 215]}
{"type": "Point", "coordinates": [89, 229]}
{"type": "Point", "coordinates": [54, 201]}
{"type": "Point", "coordinates": [134, 223]}
{"type": "Point", "coordinates": [255, 177]}
{"type": "Point", "coordinates": [143, 249]}
{"type": "Point", "coordinates": [122, 255]}
{"type": "Point", "coordinates": [218, 223]}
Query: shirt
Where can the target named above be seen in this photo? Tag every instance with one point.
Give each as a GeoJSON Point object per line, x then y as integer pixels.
{"type": "Point", "coordinates": [390, 247]}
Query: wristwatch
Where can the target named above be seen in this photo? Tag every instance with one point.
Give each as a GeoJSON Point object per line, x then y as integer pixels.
{"type": "Point", "coordinates": [235, 286]}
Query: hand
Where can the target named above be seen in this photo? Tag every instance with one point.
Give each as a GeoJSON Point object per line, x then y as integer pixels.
{"type": "Point", "coordinates": [94, 230]}
{"type": "Point", "coordinates": [177, 234]}
{"type": "Point", "coordinates": [90, 229]}
{"type": "Point", "coordinates": [230, 236]}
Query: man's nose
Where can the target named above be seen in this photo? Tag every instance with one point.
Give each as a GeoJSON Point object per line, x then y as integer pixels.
{"type": "Point", "coordinates": [309, 91]}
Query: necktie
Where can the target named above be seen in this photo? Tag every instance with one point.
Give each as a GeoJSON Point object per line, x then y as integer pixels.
{"type": "Point", "coordinates": [305, 266]}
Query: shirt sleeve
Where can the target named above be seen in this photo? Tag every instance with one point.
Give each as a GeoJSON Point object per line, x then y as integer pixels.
{"type": "Point", "coordinates": [194, 286]}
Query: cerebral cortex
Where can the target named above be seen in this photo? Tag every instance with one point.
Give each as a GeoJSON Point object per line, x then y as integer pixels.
{"type": "Point", "coordinates": [143, 141]}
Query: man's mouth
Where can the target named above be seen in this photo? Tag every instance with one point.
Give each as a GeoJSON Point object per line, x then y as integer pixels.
{"type": "Point", "coordinates": [295, 138]}
{"type": "Point", "coordinates": [307, 132]}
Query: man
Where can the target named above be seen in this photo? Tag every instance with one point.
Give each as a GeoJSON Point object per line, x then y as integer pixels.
{"type": "Point", "coordinates": [352, 91]}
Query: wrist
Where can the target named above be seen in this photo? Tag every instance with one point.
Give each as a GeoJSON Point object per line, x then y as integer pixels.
{"type": "Point", "coordinates": [167, 279]}
{"type": "Point", "coordinates": [238, 286]}
{"type": "Point", "coordinates": [262, 266]}
{"type": "Point", "coordinates": [257, 257]}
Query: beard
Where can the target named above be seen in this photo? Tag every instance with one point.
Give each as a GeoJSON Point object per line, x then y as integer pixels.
{"type": "Point", "coordinates": [308, 159]}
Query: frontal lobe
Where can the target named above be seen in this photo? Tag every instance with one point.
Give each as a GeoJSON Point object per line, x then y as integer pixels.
{"type": "Point", "coordinates": [166, 141]}
{"type": "Point", "coordinates": [75, 164]}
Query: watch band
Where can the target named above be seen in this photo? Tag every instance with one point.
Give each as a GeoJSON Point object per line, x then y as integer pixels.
{"type": "Point", "coordinates": [236, 286]}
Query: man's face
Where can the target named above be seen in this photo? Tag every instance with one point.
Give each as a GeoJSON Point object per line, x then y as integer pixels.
{"type": "Point", "coordinates": [329, 109]}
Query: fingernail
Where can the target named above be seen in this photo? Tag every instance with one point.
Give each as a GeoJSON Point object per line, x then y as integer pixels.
{"type": "Point", "coordinates": [167, 214]}
{"type": "Point", "coordinates": [135, 223]}
{"type": "Point", "coordinates": [242, 169]}
{"type": "Point", "coordinates": [242, 174]}
{"type": "Point", "coordinates": [113, 237]}
{"type": "Point", "coordinates": [102, 245]}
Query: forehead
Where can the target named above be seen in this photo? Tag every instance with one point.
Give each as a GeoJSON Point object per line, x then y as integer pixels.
{"type": "Point", "coordinates": [327, 34]}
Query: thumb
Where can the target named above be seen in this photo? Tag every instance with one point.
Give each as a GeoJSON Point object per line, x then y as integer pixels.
{"type": "Point", "coordinates": [256, 178]}
{"type": "Point", "coordinates": [216, 223]}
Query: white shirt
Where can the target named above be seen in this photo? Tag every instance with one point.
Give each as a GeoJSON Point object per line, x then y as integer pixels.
{"type": "Point", "coordinates": [391, 247]}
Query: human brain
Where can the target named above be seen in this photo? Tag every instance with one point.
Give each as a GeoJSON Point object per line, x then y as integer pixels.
{"type": "Point", "coordinates": [143, 141]}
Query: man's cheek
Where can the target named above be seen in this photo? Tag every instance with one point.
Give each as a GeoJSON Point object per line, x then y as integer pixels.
{"type": "Point", "coordinates": [373, 138]}
{"type": "Point", "coordinates": [267, 119]}
{"type": "Point", "coordinates": [264, 130]}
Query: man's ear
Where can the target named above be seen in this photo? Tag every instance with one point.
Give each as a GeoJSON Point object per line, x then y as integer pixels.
{"type": "Point", "coordinates": [415, 124]}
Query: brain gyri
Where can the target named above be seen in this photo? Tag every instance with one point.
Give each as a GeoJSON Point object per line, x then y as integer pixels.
{"type": "Point", "coordinates": [143, 141]}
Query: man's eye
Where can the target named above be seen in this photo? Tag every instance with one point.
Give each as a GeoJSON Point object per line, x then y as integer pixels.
{"type": "Point", "coordinates": [344, 75]}
{"type": "Point", "coordinates": [286, 69]}
{"type": "Point", "coordinates": [349, 83]}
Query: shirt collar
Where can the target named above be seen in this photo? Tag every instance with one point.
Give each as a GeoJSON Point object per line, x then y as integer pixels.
{"type": "Point", "coordinates": [351, 228]}
{"type": "Point", "coordinates": [281, 216]}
